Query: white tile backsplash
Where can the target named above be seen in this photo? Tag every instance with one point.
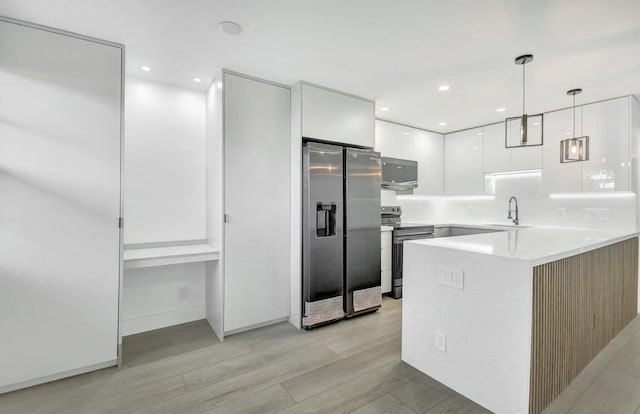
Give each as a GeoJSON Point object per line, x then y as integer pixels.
{"type": "Point", "coordinates": [534, 205]}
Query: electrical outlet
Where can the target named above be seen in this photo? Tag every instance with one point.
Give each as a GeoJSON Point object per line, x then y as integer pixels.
{"type": "Point", "coordinates": [183, 293]}
{"type": "Point", "coordinates": [603, 213]}
{"type": "Point", "coordinates": [441, 341]}
{"type": "Point", "coordinates": [561, 212]}
{"type": "Point", "coordinates": [457, 280]}
{"type": "Point", "coordinates": [600, 214]}
{"type": "Point", "coordinates": [451, 277]}
{"type": "Point", "coordinates": [445, 276]}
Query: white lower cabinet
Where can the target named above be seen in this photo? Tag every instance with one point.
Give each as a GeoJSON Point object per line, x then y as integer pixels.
{"type": "Point", "coordinates": [385, 260]}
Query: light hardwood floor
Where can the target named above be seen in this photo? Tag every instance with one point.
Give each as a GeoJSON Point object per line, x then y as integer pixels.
{"type": "Point", "coordinates": [349, 367]}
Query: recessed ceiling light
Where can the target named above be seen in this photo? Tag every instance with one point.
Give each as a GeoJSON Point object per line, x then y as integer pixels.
{"type": "Point", "coordinates": [384, 109]}
{"type": "Point", "coordinates": [443, 88]}
{"type": "Point", "coordinates": [501, 109]}
{"type": "Point", "coordinates": [442, 123]}
{"type": "Point", "coordinates": [406, 133]}
{"type": "Point", "coordinates": [567, 133]}
{"type": "Point", "coordinates": [536, 123]}
{"type": "Point", "coordinates": [196, 79]}
{"type": "Point", "coordinates": [146, 68]}
{"type": "Point", "coordinates": [480, 133]}
{"type": "Point", "coordinates": [230, 28]}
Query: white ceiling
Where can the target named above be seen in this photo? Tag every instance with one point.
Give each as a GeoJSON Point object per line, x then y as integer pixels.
{"type": "Point", "coordinates": [394, 52]}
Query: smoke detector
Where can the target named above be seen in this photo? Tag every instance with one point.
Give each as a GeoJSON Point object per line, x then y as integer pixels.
{"type": "Point", "coordinates": [230, 28]}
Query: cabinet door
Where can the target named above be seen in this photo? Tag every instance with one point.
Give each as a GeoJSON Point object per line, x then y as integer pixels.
{"type": "Point", "coordinates": [526, 158]}
{"type": "Point", "coordinates": [496, 156]}
{"type": "Point", "coordinates": [429, 152]}
{"type": "Point", "coordinates": [60, 121]}
{"type": "Point", "coordinates": [608, 168]}
{"type": "Point", "coordinates": [257, 187]}
{"type": "Point", "coordinates": [385, 261]}
{"type": "Point", "coordinates": [427, 148]}
{"type": "Point", "coordinates": [464, 173]}
{"type": "Point", "coordinates": [395, 141]}
{"type": "Point", "coordinates": [333, 116]}
{"type": "Point", "coordinates": [607, 125]}
{"type": "Point", "coordinates": [558, 177]}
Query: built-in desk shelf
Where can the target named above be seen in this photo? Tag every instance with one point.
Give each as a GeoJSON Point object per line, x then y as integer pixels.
{"type": "Point", "coordinates": [168, 255]}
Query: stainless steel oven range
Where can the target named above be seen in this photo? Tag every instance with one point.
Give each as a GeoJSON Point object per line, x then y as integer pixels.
{"type": "Point", "coordinates": [402, 231]}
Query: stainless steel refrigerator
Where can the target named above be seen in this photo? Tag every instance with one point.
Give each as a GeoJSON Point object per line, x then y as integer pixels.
{"type": "Point", "coordinates": [341, 232]}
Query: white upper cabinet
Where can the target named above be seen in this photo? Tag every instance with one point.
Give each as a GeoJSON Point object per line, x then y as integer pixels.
{"type": "Point", "coordinates": [609, 165]}
{"type": "Point", "coordinates": [429, 152]}
{"type": "Point", "coordinates": [333, 116]}
{"type": "Point", "coordinates": [496, 156]}
{"type": "Point", "coordinates": [526, 158]}
{"type": "Point", "coordinates": [464, 173]}
{"type": "Point", "coordinates": [394, 140]}
{"type": "Point", "coordinates": [607, 124]}
{"type": "Point", "coordinates": [557, 177]}
{"type": "Point", "coordinates": [427, 148]}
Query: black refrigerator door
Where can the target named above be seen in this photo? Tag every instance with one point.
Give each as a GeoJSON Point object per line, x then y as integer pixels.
{"type": "Point", "coordinates": [323, 233]}
{"type": "Point", "coordinates": [362, 207]}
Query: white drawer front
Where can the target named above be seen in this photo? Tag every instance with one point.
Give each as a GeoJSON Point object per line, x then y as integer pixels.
{"type": "Point", "coordinates": [385, 259]}
{"type": "Point", "coordinates": [385, 240]}
{"type": "Point", "coordinates": [386, 281]}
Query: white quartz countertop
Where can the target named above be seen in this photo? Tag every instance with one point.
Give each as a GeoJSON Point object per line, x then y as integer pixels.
{"type": "Point", "coordinates": [536, 245]}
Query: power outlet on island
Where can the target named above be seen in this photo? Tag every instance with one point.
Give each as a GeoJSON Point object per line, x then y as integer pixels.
{"type": "Point", "coordinates": [457, 279]}
{"type": "Point", "coordinates": [445, 276]}
{"type": "Point", "coordinates": [451, 277]}
{"type": "Point", "coordinates": [441, 341]}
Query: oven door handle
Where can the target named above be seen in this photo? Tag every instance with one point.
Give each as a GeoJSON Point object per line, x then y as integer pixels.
{"type": "Point", "coordinates": [400, 239]}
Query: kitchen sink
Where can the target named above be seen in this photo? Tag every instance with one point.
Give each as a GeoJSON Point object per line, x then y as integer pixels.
{"type": "Point", "coordinates": [511, 226]}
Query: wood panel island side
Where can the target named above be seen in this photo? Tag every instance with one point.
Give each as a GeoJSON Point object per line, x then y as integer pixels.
{"type": "Point", "coordinates": [509, 319]}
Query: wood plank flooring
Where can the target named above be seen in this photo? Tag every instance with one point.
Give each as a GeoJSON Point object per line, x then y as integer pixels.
{"type": "Point", "coordinates": [352, 366]}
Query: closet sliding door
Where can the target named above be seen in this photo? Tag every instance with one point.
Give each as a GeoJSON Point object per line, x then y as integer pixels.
{"type": "Point", "coordinates": [60, 202]}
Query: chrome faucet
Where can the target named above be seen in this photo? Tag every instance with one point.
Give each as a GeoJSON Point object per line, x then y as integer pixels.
{"type": "Point", "coordinates": [515, 220]}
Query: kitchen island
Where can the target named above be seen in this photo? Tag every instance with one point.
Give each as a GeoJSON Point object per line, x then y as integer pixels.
{"type": "Point", "coordinates": [509, 319]}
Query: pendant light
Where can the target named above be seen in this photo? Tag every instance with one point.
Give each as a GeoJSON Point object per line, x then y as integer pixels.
{"type": "Point", "coordinates": [575, 148]}
{"type": "Point", "coordinates": [523, 121]}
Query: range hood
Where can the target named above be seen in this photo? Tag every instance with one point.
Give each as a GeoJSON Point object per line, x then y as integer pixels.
{"type": "Point", "coordinates": [398, 174]}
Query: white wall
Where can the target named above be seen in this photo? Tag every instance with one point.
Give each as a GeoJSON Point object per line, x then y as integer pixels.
{"type": "Point", "coordinates": [155, 297]}
{"type": "Point", "coordinates": [164, 201]}
{"type": "Point", "coordinates": [165, 163]}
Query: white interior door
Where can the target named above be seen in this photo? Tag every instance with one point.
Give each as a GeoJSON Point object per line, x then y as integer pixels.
{"type": "Point", "coordinates": [60, 120]}
{"type": "Point", "coordinates": [257, 146]}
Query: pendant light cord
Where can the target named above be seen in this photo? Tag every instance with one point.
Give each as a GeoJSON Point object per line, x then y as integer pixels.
{"type": "Point", "coordinates": [523, 91]}
{"type": "Point", "coordinates": [574, 115]}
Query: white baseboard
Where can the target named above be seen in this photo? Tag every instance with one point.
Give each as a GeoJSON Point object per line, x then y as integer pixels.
{"type": "Point", "coordinates": [143, 323]}
{"type": "Point", "coordinates": [54, 377]}
{"type": "Point", "coordinates": [256, 326]}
